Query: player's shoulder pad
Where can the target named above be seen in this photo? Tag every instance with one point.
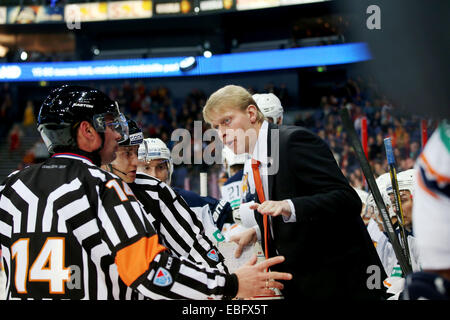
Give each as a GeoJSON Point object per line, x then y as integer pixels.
{"type": "Point", "coordinates": [236, 177]}
{"type": "Point", "coordinates": [192, 199]}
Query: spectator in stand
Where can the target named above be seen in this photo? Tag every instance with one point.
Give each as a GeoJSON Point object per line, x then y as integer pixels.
{"type": "Point", "coordinates": [377, 167]}
{"type": "Point", "coordinates": [15, 137]}
{"type": "Point", "coordinates": [136, 105]}
{"type": "Point", "coordinates": [29, 119]}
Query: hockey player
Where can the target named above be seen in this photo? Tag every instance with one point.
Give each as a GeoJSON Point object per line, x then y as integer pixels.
{"type": "Point", "coordinates": [363, 195]}
{"type": "Point", "coordinates": [375, 226]}
{"type": "Point", "coordinates": [155, 160]}
{"type": "Point", "coordinates": [69, 230]}
{"type": "Point", "coordinates": [177, 225]}
{"type": "Point", "coordinates": [406, 182]}
{"type": "Point", "coordinates": [231, 189]}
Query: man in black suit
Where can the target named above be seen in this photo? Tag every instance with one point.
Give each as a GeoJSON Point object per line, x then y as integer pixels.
{"type": "Point", "coordinates": [313, 213]}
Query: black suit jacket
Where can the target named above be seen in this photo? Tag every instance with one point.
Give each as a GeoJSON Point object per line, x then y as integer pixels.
{"type": "Point", "coordinates": [328, 249]}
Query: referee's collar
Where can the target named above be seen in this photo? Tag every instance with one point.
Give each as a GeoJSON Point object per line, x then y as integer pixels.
{"type": "Point", "coordinates": [75, 156]}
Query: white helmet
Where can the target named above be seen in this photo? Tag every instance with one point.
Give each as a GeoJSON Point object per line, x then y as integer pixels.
{"type": "Point", "coordinates": [382, 182]}
{"type": "Point", "coordinates": [270, 105]}
{"type": "Point", "coordinates": [232, 158]}
{"type": "Point", "coordinates": [406, 180]}
{"type": "Point", "coordinates": [154, 148]}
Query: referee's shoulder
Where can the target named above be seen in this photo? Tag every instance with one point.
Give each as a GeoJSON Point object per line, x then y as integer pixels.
{"type": "Point", "coordinates": [145, 179]}
{"type": "Point", "coordinates": [8, 180]}
{"type": "Point", "coordinates": [96, 173]}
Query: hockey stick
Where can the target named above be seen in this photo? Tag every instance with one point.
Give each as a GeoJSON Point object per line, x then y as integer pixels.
{"type": "Point", "coordinates": [204, 184]}
{"type": "Point", "coordinates": [398, 250]}
{"type": "Point", "coordinates": [397, 201]}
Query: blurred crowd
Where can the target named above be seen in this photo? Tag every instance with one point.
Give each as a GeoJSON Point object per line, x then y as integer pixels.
{"type": "Point", "coordinates": [158, 113]}
{"type": "Point", "coordinates": [383, 121]}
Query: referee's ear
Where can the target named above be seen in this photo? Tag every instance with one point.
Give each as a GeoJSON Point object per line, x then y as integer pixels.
{"type": "Point", "coordinates": [87, 137]}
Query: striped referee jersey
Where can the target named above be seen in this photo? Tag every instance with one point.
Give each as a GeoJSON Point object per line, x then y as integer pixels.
{"type": "Point", "coordinates": [177, 225]}
{"type": "Point", "coordinates": [69, 230]}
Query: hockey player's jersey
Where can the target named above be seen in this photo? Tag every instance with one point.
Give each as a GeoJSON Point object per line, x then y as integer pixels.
{"type": "Point", "coordinates": [69, 230]}
{"type": "Point", "coordinates": [209, 210]}
{"type": "Point", "coordinates": [176, 224]}
{"type": "Point", "coordinates": [232, 189]}
{"type": "Point", "coordinates": [386, 251]}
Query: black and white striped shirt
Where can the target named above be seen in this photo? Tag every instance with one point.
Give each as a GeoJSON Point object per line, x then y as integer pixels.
{"type": "Point", "coordinates": [178, 227]}
{"type": "Point", "coordinates": [69, 230]}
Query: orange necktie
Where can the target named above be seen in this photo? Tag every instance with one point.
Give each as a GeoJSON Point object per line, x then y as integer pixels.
{"type": "Point", "coordinates": [262, 198]}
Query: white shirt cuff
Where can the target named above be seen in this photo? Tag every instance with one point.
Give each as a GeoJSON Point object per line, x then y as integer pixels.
{"type": "Point", "coordinates": [293, 217]}
{"type": "Point", "coordinates": [258, 232]}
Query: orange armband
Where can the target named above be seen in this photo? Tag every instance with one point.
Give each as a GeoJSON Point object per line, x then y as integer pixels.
{"type": "Point", "coordinates": [133, 260]}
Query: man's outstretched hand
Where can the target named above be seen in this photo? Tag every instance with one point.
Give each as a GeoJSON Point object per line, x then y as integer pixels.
{"type": "Point", "coordinates": [255, 281]}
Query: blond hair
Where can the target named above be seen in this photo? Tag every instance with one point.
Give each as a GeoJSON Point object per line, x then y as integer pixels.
{"type": "Point", "coordinates": [230, 96]}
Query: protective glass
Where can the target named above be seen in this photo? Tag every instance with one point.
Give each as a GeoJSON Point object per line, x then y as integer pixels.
{"type": "Point", "coordinates": [116, 122]}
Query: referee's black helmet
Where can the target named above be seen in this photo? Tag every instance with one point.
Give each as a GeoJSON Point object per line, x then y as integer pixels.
{"type": "Point", "coordinates": [67, 106]}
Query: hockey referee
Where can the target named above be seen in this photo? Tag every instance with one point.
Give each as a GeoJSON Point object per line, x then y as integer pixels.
{"type": "Point", "coordinates": [69, 230]}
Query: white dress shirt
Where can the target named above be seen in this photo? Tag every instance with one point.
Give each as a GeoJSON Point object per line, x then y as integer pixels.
{"type": "Point", "coordinates": [260, 154]}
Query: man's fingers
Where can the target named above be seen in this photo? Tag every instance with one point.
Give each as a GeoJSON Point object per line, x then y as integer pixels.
{"type": "Point", "coordinates": [267, 292]}
{"type": "Point", "coordinates": [278, 211]}
{"type": "Point", "coordinates": [238, 251]}
{"type": "Point", "coordinates": [267, 208]}
{"type": "Point", "coordinates": [235, 238]}
{"type": "Point", "coordinates": [279, 275]}
{"type": "Point", "coordinates": [270, 262]}
{"type": "Point", "coordinates": [275, 284]}
{"type": "Point", "coordinates": [254, 206]}
{"type": "Point", "coordinates": [251, 261]}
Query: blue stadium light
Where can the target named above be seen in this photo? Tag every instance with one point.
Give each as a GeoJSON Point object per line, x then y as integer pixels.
{"type": "Point", "coordinates": [175, 66]}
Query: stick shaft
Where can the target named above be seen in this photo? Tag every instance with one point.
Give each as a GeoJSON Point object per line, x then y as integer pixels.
{"type": "Point", "coordinates": [401, 258]}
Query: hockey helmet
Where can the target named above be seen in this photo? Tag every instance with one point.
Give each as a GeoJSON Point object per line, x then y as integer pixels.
{"type": "Point", "coordinates": [270, 105]}
{"type": "Point", "coordinates": [135, 135]}
{"type": "Point", "coordinates": [67, 106]}
{"type": "Point", "coordinates": [232, 159]}
{"type": "Point", "coordinates": [154, 148]}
